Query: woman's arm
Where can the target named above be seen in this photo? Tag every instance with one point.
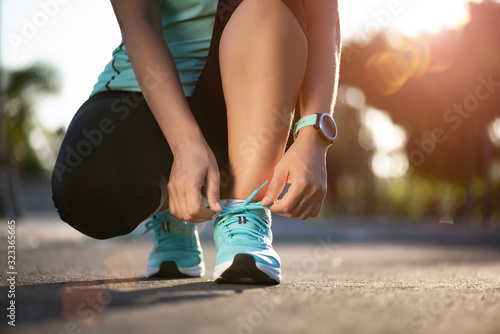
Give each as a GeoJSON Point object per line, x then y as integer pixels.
{"type": "Point", "coordinates": [156, 73]}
{"type": "Point", "coordinates": [304, 164]}
{"type": "Point", "coordinates": [319, 88]}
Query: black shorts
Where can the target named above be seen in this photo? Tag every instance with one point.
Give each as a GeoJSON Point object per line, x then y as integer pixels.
{"type": "Point", "coordinates": [106, 177]}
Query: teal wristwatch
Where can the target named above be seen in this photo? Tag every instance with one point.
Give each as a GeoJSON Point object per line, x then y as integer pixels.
{"type": "Point", "coordinates": [324, 123]}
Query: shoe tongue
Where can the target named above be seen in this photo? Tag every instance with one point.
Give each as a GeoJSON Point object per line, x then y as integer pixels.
{"type": "Point", "coordinates": [261, 213]}
{"type": "Point", "coordinates": [179, 227]}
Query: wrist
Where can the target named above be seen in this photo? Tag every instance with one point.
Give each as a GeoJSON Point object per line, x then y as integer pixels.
{"type": "Point", "coordinates": [186, 137]}
{"type": "Point", "coordinates": [311, 136]}
{"type": "Point", "coordinates": [322, 122]}
{"type": "Point", "coordinates": [178, 125]}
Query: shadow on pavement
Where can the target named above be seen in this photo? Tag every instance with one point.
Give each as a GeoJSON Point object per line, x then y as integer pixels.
{"type": "Point", "coordinates": [83, 301]}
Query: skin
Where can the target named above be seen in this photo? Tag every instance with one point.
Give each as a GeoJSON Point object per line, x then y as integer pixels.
{"type": "Point", "coordinates": [260, 97]}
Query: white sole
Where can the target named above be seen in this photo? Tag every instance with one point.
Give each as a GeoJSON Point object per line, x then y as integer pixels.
{"type": "Point", "coordinates": [195, 271]}
{"type": "Point", "coordinates": [272, 272]}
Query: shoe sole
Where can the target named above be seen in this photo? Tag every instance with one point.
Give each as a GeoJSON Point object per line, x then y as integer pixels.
{"type": "Point", "coordinates": [169, 269]}
{"type": "Point", "coordinates": [244, 270]}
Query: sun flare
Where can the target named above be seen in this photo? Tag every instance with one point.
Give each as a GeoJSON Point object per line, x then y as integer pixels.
{"type": "Point", "coordinates": [430, 16]}
{"type": "Point", "coordinates": [363, 19]}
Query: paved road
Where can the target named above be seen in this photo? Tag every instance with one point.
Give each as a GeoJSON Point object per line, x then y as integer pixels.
{"type": "Point", "coordinates": [338, 278]}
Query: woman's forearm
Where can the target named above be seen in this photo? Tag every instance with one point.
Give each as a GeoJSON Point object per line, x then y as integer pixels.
{"type": "Point", "coordinates": [155, 70]}
{"type": "Point", "coordinates": [319, 87]}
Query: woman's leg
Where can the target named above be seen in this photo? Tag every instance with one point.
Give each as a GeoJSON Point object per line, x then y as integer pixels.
{"type": "Point", "coordinates": [107, 178]}
{"type": "Point", "coordinates": [263, 56]}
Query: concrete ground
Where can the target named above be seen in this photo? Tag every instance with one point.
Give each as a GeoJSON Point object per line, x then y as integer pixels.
{"type": "Point", "coordinates": [342, 277]}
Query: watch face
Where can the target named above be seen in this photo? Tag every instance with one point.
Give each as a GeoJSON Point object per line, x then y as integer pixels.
{"type": "Point", "coordinates": [328, 127]}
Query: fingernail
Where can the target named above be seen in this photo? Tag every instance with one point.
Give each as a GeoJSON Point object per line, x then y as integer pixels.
{"type": "Point", "coordinates": [218, 207]}
{"type": "Point", "coordinates": [265, 200]}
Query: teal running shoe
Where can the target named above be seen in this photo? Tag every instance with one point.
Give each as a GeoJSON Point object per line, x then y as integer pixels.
{"type": "Point", "coordinates": [177, 250]}
{"type": "Point", "coordinates": [243, 237]}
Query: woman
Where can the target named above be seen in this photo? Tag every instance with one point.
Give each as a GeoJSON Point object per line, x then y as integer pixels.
{"type": "Point", "coordinates": [181, 111]}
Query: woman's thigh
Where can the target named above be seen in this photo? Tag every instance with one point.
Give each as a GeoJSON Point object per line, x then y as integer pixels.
{"type": "Point", "coordinates": [107, 174]}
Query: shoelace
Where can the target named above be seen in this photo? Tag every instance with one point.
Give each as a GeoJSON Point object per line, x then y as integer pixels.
{"type": "Point", "coordinates": [229, 219]}
{"type": "Point", "coordinates": [165, 241]}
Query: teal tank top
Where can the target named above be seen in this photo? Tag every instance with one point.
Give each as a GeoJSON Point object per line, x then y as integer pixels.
{"type": "Point", "coordinates": [187, 28]}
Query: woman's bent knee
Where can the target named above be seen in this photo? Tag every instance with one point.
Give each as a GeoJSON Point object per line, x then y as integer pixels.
{"type": "Point", "coordinates": [104, 209]}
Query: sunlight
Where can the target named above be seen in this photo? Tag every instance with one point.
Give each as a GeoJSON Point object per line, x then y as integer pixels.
{"type": "Point", "coordinates": [353, 96]}
{"type": "Point", "coordinates": [386, 136]}
{"type": "Point", "coordinates": [43, 148]}
{"type": "Point", "coordinates": [389, 165]}
{"type": "Point", "coordinates": [431, 16]}
{"type": "Point", "coordinates": [388, 140]}
{"type": "Point", "coordinates": [494, 132]}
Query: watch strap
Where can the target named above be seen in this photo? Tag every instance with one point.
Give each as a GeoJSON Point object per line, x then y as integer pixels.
{"type": "Point", "coordinates": [305, 121]}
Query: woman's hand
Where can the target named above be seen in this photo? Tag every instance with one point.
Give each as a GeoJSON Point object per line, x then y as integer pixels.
{"type": "Point", "coordinates": [304, 167]}
{"type": "Point", "coordinates": [194, 166]}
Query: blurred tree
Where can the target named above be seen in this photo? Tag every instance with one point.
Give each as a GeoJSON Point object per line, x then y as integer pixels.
{"type": "Point", "coordinates": [19, 93]}
{"type": "Point", "coordinates": [444, 90]}
{"type": "Point", "coordinates": [350, 179]}
{"type": "Point", "coordinates": [22, 90]}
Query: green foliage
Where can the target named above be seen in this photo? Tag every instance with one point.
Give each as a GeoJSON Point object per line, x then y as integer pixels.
{"type": "Point", "coordinates": [447, 83]}
{"type": "Point", "coordinates": [22, 90]}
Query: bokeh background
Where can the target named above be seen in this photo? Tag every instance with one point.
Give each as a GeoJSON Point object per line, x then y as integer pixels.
{"type": "Point", "coordinates": [418, 105]}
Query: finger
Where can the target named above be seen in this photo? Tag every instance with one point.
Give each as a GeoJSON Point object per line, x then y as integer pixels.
{"type": "Point", "coordinates": [320, 199]}
{"type": "Point", "coordinates": [171, 205]}
{"type": "Point", "coordinates": [306, 204]}
{"type": "Point", "coordinates": [275, 186]}
{"type": "Point", "coordinates": [196, 211]}
{"type": "Point", "coordinates": [311, 203]}
{"type": "Point", "coordinates": [171, 198]}
{"type": "Point", "coordinates": [301, 208]}
{"type": "Point", "coordinates": [213, 190]}
{"type": "Point", "coordinates": [288, 204]}
{"type": "Point", "coordinates": [317, 210]}
{"type": "Point", "coordinates": [309, 211]}
{"type": "Point", "coordinates": [192, 201]}
{"type": "Point", "coordinates": [184, 201]}
{"type": "Point", "coordinates": [204, 214]}
{"type": "Point", "coordinates": [173, 201]}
